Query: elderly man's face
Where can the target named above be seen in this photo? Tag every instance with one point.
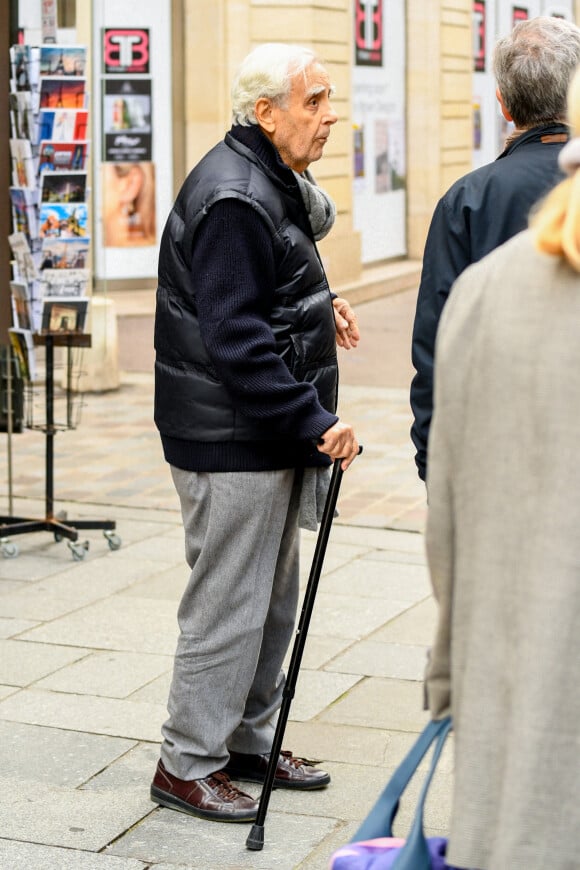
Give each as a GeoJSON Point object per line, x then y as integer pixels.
{"type": "Point", "coordinates": [301, 128]}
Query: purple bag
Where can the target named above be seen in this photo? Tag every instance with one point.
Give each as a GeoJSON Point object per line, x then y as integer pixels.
{"type": "Point", "coordinates": [381, 854]}
{"type": "Point", "coordinates": [373, 847]}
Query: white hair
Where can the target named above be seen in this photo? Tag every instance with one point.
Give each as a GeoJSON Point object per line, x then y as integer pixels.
{"type": "Point", "coordinates": [267, 72]}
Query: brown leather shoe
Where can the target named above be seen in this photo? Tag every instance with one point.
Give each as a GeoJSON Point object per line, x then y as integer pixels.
{"type": "Point", "coordinates": [291, 772]}
{"type": "Point", "coordinates": [214, 797]}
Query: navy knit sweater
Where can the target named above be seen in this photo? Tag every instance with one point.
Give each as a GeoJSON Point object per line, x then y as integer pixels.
{"type": "Point", "coordinates": [234, 271]}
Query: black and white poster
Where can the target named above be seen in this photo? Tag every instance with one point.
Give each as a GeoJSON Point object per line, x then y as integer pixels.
{"type": "Point", "coordinates": [126, 120]}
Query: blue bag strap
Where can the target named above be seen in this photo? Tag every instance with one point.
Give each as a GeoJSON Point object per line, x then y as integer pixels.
{"type": "Point", "coordinates": [414, 855]}
{"type": "Point", "coordinates": [379, 821]}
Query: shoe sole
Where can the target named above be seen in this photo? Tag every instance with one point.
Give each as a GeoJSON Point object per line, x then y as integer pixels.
{"type": "Point", "coordinates": [175, 803]}
{"type": "Point", "coordinates": [278, 783]}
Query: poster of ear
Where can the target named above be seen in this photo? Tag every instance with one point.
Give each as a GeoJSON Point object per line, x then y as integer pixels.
{"type": "Point", "coordinates": [379, 186]}
{"type": "Point", "coordinates": [128, 204]}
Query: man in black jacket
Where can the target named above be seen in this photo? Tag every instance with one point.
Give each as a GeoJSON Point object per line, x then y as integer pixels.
{"type": "Point", "coordinates": [245, 398]}
{"type": "Point", "coordinates": [532, 66]}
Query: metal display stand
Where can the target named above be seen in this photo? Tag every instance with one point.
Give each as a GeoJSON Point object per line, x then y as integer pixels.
{"type": "Point", "coordinates": [61, 526]}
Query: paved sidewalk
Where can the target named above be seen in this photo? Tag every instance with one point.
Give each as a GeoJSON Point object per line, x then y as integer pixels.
{"type": "Point", "coordinates": [86, 646]}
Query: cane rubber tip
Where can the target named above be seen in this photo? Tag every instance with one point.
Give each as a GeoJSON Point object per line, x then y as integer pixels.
{"type": "Point", "coordinates": [255, 840]}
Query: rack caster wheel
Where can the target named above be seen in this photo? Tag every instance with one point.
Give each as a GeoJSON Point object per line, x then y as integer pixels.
{"type": "Point", "coordinates": [9, 550]}
{"type": "Point", "coordinates": [61, 516]}
{"type": "Point", "coordinates": [78, 550]}
{"type": "Point", "coordinates": [113, 540]}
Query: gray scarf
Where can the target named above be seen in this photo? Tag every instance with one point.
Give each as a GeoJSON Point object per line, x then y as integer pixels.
{"type": "Point", "coordinates": [315, 481]}
{"type": "Point", "coordinates": [321, 209]}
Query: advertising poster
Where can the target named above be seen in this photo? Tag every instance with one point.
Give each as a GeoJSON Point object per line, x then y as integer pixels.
{"type": "Point", "coordinates": [128, 204]}
{"type": "Point", "coordinates": [368, 32]}
{"type": "Point", "coordinates": [126, 51]}
{"type": "Point", "coordinates": [127, 119]}
{"type": "Point", "coordinates": [479, 40]}
{"type": "Point", "coordinates": [519, 13]}
{"type": "Point", "coordinates": [379, 147]}
{"type": "Point", "coordinates": [49, 20]}
{"type": "Point", "coordinates": [486, 111]}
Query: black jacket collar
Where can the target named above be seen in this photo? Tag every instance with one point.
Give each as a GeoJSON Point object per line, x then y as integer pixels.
{"type": "Point", "coordinates": [257, 147]}
{"type": "Point", "coordinates": [253, 138]}
{"type": "Point", "coordinates": [537, 134]}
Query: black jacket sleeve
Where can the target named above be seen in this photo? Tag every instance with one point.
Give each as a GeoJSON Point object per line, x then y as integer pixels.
{"type": "Point", "coordinates": [447, 254]}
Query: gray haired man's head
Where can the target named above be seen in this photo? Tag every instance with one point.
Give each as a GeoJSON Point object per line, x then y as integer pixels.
{"type": "Point", "coordinates": [267, 72]}
{"type": "Point", "coordinates": [533, 67]}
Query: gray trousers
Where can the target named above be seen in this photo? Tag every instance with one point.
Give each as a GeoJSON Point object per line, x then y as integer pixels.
{"type": "Point", "coordinates": [236, 617]}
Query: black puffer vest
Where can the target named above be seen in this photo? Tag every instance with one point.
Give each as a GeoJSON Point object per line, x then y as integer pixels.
{"type": "Point", "coordinates": [190, 401]}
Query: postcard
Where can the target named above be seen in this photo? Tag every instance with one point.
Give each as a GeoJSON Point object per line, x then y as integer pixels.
{"type": "Point", "coordinates": [64, 314]}
{"type": "Point", "coordinates": [23, 347]}
{"type": "Point", "coordinates": [24, 220]}
{"type": "Point", "coordinates": [21, 114]}
{"type": "Point", "coordinates": [62, 156]}
{"type": "Point", "coordinates": [62, 125]}
{"type": "Point", "coordinates": [24, 62]}
{"type": "Point", "coordinates": [63, 253]}
{"type": "Point", "coordinates": [66, 220]}
{"type": "Point", "coordinates": [24, 265]}
{"type": "Point", "coordinates": [62, 93]}
{"type": "Point", "coordinates": [65, 282]}
{"type": "Point", "coordinates": [21, 310]}
{"type": "Point", "coordinates": [23, 174]}
{"type": "Point", "coordinates": [63, 187]}
{"type": "Point", "coordinates": [63, 60]}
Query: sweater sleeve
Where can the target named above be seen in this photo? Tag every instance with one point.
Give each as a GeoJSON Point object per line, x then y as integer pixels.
{"type": "Point", "coordinates": [233, 270]}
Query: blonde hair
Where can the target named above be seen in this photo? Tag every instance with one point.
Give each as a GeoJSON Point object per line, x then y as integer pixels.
{"type": "Point", "coordinates": [556, 224]}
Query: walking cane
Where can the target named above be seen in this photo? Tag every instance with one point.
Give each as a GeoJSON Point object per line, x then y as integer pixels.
{"type": "Point", "coordinates": [255, 840]}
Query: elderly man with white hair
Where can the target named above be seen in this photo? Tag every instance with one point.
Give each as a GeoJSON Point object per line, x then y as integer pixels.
{"type": "Point", "coordinates": [246, 383]}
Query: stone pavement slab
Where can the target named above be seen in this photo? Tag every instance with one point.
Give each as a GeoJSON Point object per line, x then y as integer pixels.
{"type": "Point", "coordinates": [395, 705]}
{"type": "Point", "coordinates": [374, 659]}
{"type": "Point", "coordinates": [415, 625]}
{"type": "Point", "coordinates": [69, 590]}
{"type": "Point", "coordinates": [59, 816]}
{"type": "Point", "coordinates": [135, 720]}
{"type": "Point", "coordinates": [132, 624]}
{"type": "Point", "coordinates": [22, 663]}
{"type": "Point", "coordinates": [113, 674]}
{"type": "Point", "coordinates": [167, 836]}
{"type": "Point", "coordinates": [54, 756]}
{"type": "Point", "coordinates": [15, 855]}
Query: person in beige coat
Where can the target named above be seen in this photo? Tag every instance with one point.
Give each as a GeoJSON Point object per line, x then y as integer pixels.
{"type": "Point", "coordinates": [503, 540]}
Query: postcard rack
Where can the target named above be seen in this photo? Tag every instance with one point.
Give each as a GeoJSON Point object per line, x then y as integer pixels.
{"type": "Point", "coordinates": [61, 526]}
